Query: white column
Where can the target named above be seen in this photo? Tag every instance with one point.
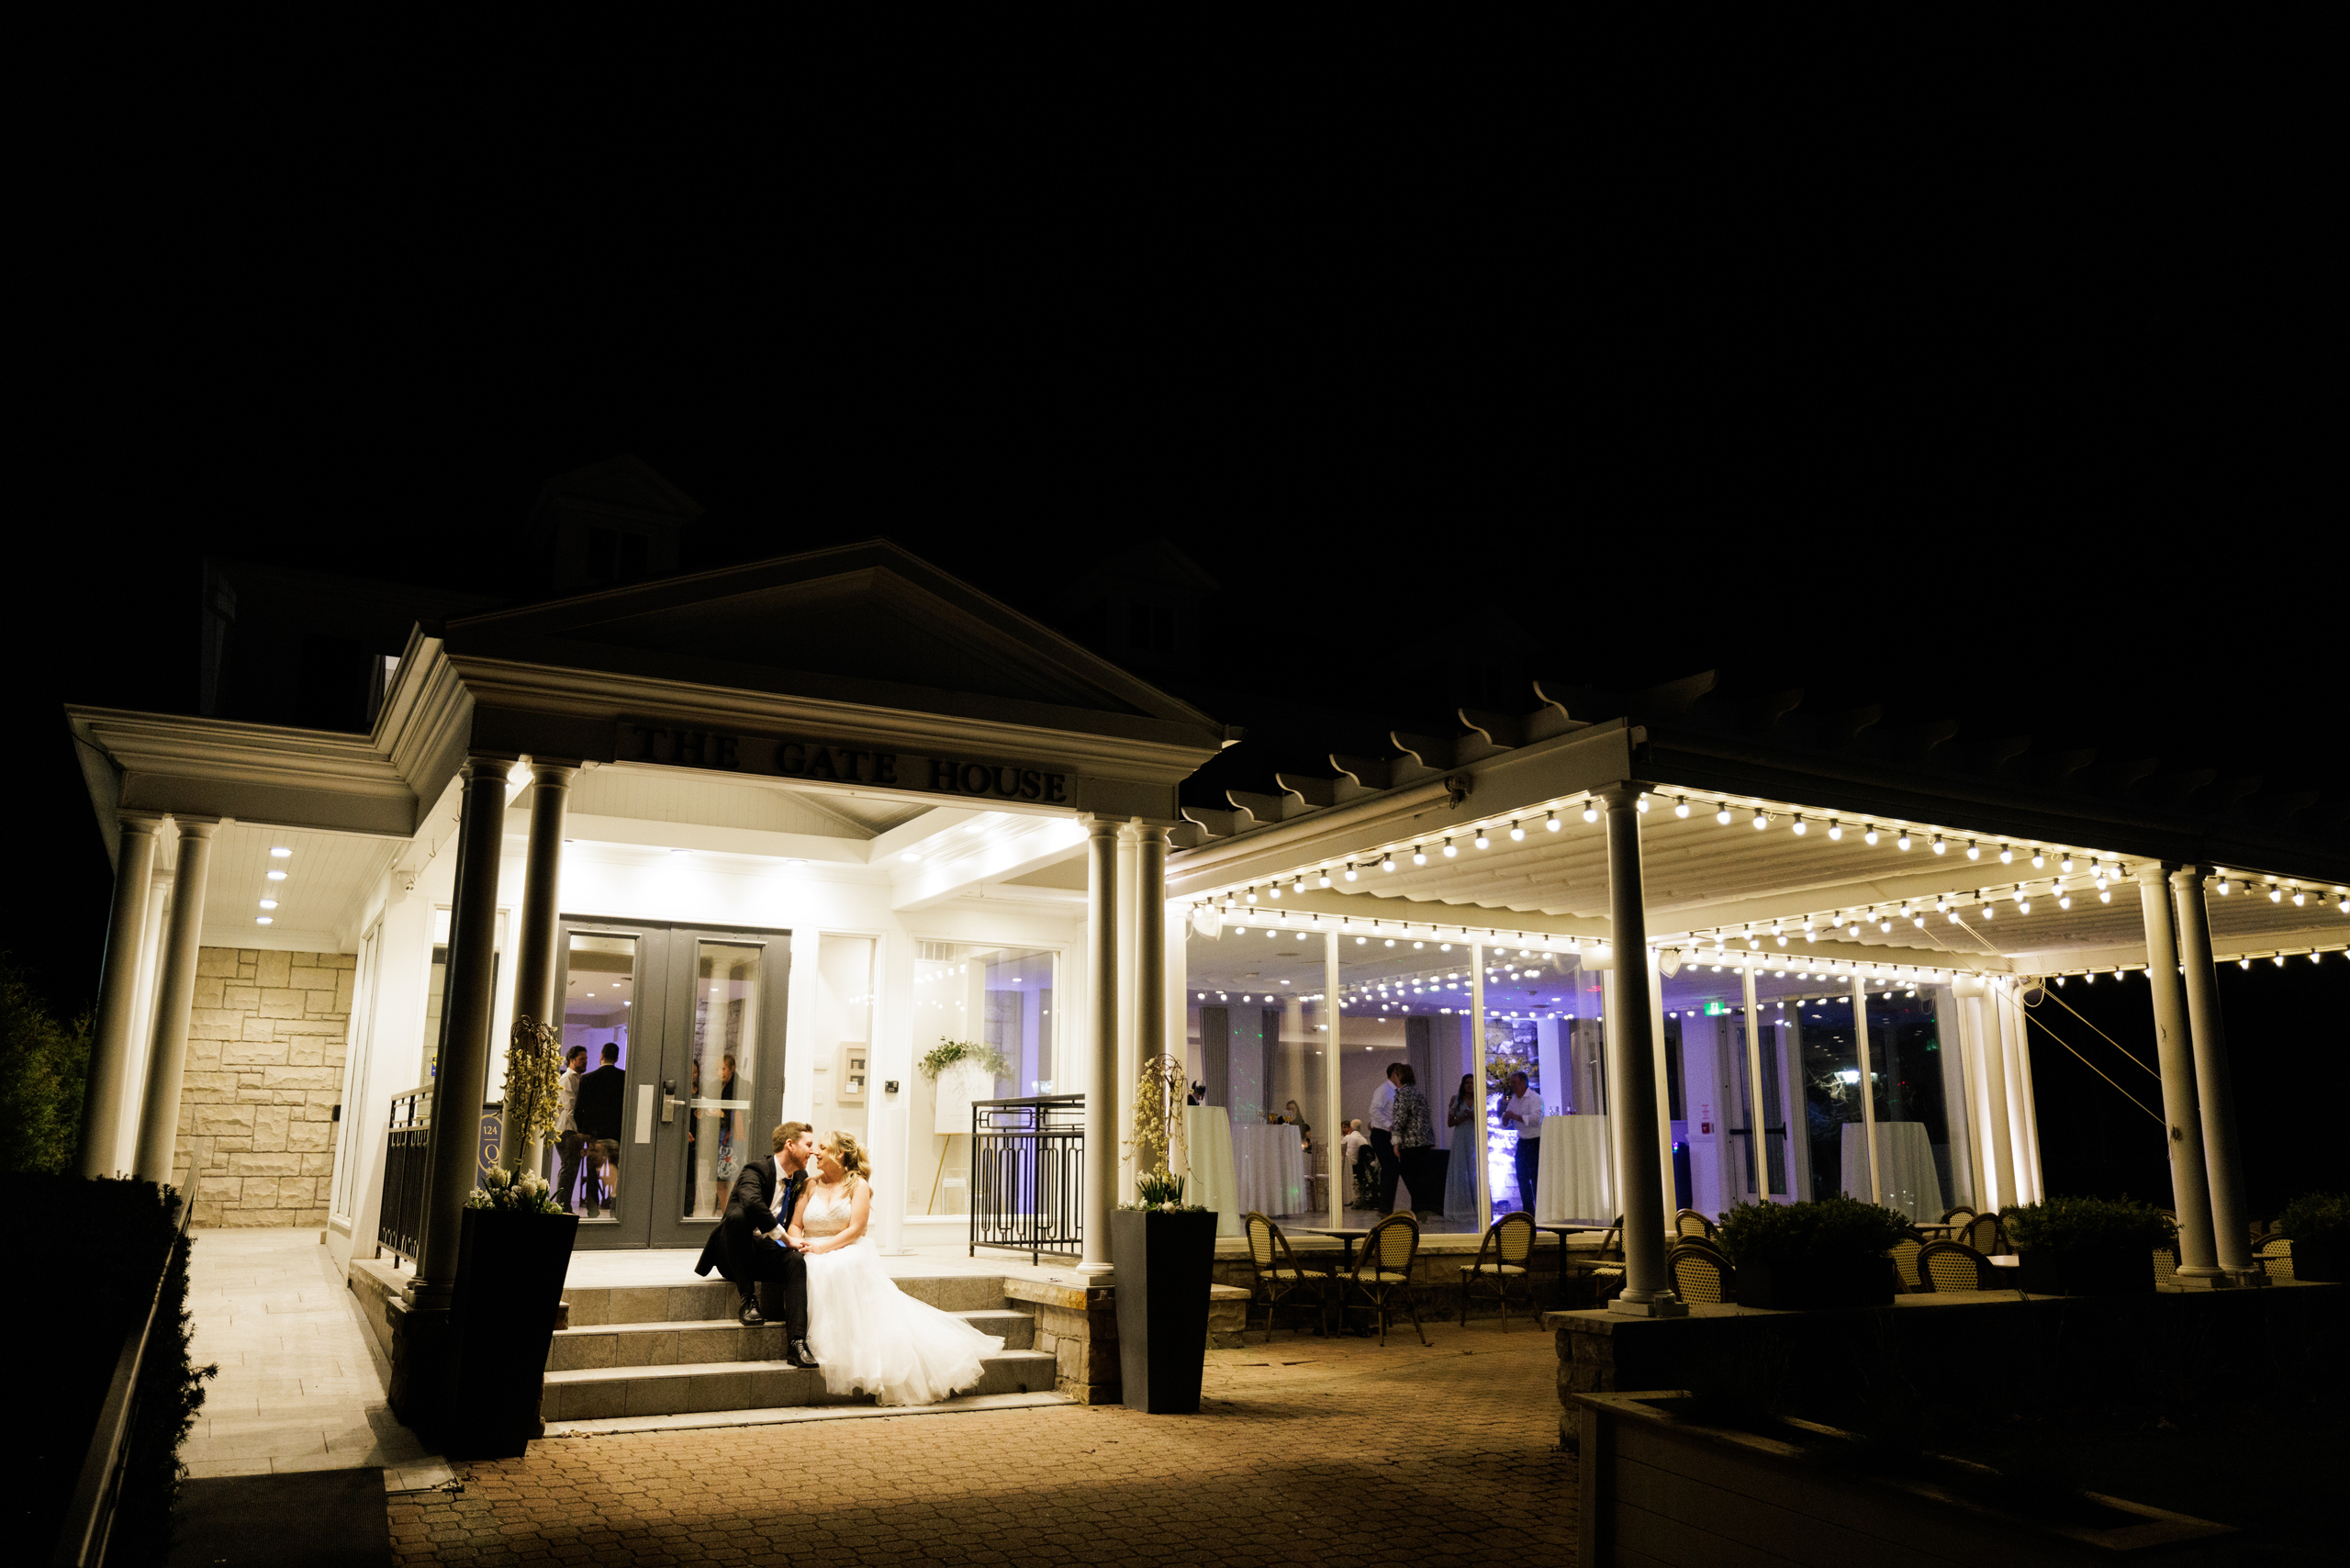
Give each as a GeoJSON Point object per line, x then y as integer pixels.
{"type": "Point", "coordinates": [143, 1017]}
{"type": "Point", "coordinates": [1477, 1082]}
{"type": "Point", "coordinates": [1129, 1014]}
{"type": "Point", "coordinates": [1990, 1094]}
{"type": "Point", "coordinates": [1634, 1060]}
{"type": "Point", "coordinates": [1757, 1115]}
{"type": "Point", "coordinates": [159, 1115]}
{"type": "Point", "coordinates": [1332, 1086]}
{"type": "Point", "coordinates": [1868, 1083]}
{"type": "Point", "coordinates": [2028, 1153]}
{"type": "Point", "coordinates": [535, 962]}
{"type": "Point", "coordinates": [2190, 1193]}
{"type": "Point", "coordinates": [1100, 1043]}
{"type": "Point", "coordinates": [1664, 1085]}
{"type": "Point", "coordinates": [1147, 1007]}
{"type": "Point", "coordinates": [110, 1050]}
{"type": "Point", "coordinates": [1958, 1093]}
{"type": "Point", "coordinates": [2214, 1083]}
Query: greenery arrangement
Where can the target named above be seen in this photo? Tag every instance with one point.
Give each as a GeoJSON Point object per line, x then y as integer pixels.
{"type": "Point", "coordinates": [44, 1065]}
{"type": "Point", "coordinates": [1825, 1231]}
{"type": "Point", "coordinates": [534, 1065]}
{"type": "Point", "coordinates": [1160, 1090]}
{"type": "Point", "coordinates": [2087, 1225]}
{"type": "Point", "coordinates": [1504, 1056]}
{"type": "Point", "coordinates": [946, 1053]}
{"type": "Point", "coordinates": [526, 1193]}
{"type": "Point", "coordinates": [2317, 1217]}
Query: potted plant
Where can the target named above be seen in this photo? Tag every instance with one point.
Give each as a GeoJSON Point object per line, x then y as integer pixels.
{"type": "Point", "coordinates": [965, 1073]}
{"type": "Point", "coordinates": [1164, 1252]}
{"type": "Point", "coordinates": [513, 1250]}
{"type": "Point", "coordinates": [2318, 1224]}
{"type": "Point", "coordinates": [2087, 1245]}
{"type": "Point", "coordinates": [1825, 1253]}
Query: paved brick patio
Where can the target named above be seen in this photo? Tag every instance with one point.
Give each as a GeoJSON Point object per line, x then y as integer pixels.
{"type": "Point", "coordinates": [1310, 1451]}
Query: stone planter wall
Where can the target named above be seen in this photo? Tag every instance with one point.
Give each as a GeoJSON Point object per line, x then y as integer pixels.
{"type": "Point", "coordinates": [265, 1071]}
{"type": "Point", "coordinates": [1077, 1326]}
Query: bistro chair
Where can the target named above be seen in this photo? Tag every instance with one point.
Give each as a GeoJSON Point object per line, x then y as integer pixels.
{"type": "Point", "coordinates": [1602, 1270]}
{"type": "Point", "coordinates": [2274, 1255]}
{"type": "Point", "coordinates": [1702, 1272]}
{"type": "Point", "coordinates": [1382, 1273]}
{"type": "Point", "coordinates": [1985, 1235]}
{"type": "Point", "coordinates": [1689, 1222]}
{"type": "Point", "coordinates": [1958, 1216]}
{"type": "Point", "coordinates": [1278, 1276]}
{"type": "Point", "coordinates": [1904, 1254]}
{"type": "Point", "coordinates": [1502, 1261]}
{"type": "Point", "coordinates": [1947, 1266]}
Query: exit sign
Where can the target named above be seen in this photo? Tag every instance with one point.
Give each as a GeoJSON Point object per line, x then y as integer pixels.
{"type": "Point", "coordinates": [1715, 1010]}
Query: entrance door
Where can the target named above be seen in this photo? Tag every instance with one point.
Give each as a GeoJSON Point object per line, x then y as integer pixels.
{"type": "Point", "coordinates": [684, 1031]}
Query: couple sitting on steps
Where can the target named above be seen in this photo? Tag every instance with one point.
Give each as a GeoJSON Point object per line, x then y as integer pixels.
{"type": "Point", "coordinates": [805, 1232]}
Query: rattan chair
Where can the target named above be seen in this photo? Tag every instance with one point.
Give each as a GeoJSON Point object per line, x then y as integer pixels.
{"type": "Point", "coordinates": [1602, 1270]}
{"type": "Point", "coordinates": [1985, 1235]}
{"type": "Point", "coordinates": [1701, 1271]}
{"type": "Point", "coordinates": [1503, 1261]}
{"type": "Point", "coordinates": [1689, 1222]}
{"type": "Point", "coordinates": [1904, 1256]}
{"type": "Point", "coordinates": [1278, 1276]}
{"type": "Point", "coordinates": [1947, 1266]}
{"type": "Point", "coordinates": [1958, 1216]}
{"type": "Point", "coordinates": [2274, 1255]}
{"type": "Point", "coordinates": [1382, 1273]}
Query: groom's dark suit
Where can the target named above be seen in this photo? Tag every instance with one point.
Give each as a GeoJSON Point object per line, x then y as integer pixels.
{"type": "Point", "coordinates": [763, 1199]}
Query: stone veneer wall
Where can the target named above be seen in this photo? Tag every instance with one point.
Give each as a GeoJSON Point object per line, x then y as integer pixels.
{"type": "Point", "coordinates": [265, 1069]}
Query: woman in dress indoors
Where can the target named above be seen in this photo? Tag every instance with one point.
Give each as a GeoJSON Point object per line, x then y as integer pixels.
{"type": "Point", "coordinates": [1461, 1169]}
{"type": "Point", "coordinates": [867, 1333]}
{"type": "Point", "coordinates": [727, 1164]}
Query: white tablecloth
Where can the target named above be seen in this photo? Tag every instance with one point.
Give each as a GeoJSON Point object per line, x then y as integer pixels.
{"type": "Point", "coordinates": [1905, 1162]}
{"type": "Point", "coordinates": [1207, 1161]}
{"type": "Point", "coordinates": [1574, 1183]}
{"type": "Point", "coordinates": [1270, 1168]}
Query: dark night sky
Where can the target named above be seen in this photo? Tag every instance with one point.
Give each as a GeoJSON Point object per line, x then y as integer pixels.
{"type": "Point", "coordinates": [2014, 457]}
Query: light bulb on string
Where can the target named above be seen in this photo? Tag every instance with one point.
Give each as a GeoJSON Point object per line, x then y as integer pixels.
{"type": "Point", "coordinates": [1835, 828]}
{"type": "Point", "coordinates": [1516, 831]}
{"type": "Point", "coordinates": [1723, 816]}
{"type": "Point", "coordinates": [1551, 821]}
{"type": "Point", "coordinates": [2039, 857]}
{"type": "Point", "coordinates": [1252, 894]}
{"type": "Point", "coordinates": [1419, 854]}
{"type": "Point", "coordinates": [1448, 850]}
{"type": "Point", "coordinates": [2006, 854]}
{"type": "Point", "coordinates": [1761, 821]}
{"type": "Point", "coordinates": [1681, 805]}
{"type": "Point", "coordinates": [1800, 827]}
{"type": "Point", "coordinates": [1480, 841]}
{"type": "Point", "coordinates": [1902, 841]}
{"type": "Point", "coordinates": [1387, 862]}
{"type": "Point", "coordinates": [1350, 870]}
{"type": "Point", "coordinates": [1939, 847]}
{"type": "Point", "coordinates": [1974, 850]}
{"type": "Point", "coordinates": [1591, 810]}
{"type": "Point", "coordinates": [1641, 805]}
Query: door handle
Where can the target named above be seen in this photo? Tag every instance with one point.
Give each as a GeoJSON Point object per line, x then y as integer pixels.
{"type": "Point", "coordinates": [669, 1101]}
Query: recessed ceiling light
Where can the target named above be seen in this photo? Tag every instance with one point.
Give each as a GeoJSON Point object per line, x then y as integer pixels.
{"type": "Point", "coordinates": [269, 904]}
{"type": "Point", "coordinates": [279, 852]}
{"type": "Point", "coordinates": [277, 876]}
{"type": "Point", "coordinates": [264, 920]}
{"type": "Point", "coordinates": [909, 855]}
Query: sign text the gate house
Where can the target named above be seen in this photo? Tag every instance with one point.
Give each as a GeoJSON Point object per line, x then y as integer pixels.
{"type": "Point", "coordinates": [825, 761]}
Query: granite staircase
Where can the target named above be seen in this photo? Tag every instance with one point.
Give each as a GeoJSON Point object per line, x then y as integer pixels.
{"type": "Point", "coordinates": [677, 1349]}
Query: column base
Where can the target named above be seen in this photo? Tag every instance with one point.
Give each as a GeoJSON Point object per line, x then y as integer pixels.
{"type": "Point", "coordinates": [1664, 1304]}
{"type": "Point", "coordinates": [2204, 1277]}
{"type": "Point", "coordinates": [1097, 1273]}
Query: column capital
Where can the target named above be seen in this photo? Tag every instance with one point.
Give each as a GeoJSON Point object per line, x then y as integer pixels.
{"type": "Point", "coordinates": [142, 821]}
{"type": "Point", "coordinates": [198, 827]}
{"type": "Point", "coordinates": [1097, 826]}
{"type": "Point", "coordinates": [553, 770]}
{"type": "Point", "coordinates": [1623, 792]}
{"type": "Point", "coordinates": [2155, 873]}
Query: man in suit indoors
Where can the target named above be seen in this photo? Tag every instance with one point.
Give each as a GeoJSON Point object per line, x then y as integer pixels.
{"type": "Point", "coordinates": [751, 1245]}
{"type": "Point", "coordinates": [596, 1108]}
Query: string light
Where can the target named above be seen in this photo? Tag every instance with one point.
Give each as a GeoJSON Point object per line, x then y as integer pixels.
{"type": "Point", "coordinates": [1448, 850]}
{"type": "Point", "coordinates": [1551, 821]}
{"type": "Point", "coordinates": [1590, 811]}
{"type": "Point", "coordinates": [1870, 836]}
{"type": "Point", "coordinates": [1902, 841]}
{"type": "Point", "coordinates": [1350, 870]}
{"type": "Point", "coordinates": [1300, 885]}
{"type": "Point", "coordinates": [1835, 828]}
{"type": "Point", "coordinates": [1641, 805]}
{"type": "Point", "coordinates": [1480, 841]}
{"type": "Point", "coordinates": [1387, 862]}
{"type": "Point", "coordinates": [2039, 857]}
{"type": "Point", "coordinates": [1681, 805]}
{"type": "Point", "coordinates": [1761, 821]}
{"type": "Point", "coordinates": [2223, 884]}
{"type": "Point", "coordinates": [1940, 848]}
{"type": "Point", "coordinates": [2065, 865]}
{"type": "Point", "coordinates": [1419, 856]}
{"type": "Point", "coordinates": [1722, 816]}
{"type": "Point", "coordinates": [1252, 893]}
{"type": "Point", "coordinates": [1974, 850]}
{"type": "Point", "coordinates": [2006, 854]}
{"type": "Point", "coordinates": [1801, 827]}
{"type": "Point", "coordinates": [1516, 832]}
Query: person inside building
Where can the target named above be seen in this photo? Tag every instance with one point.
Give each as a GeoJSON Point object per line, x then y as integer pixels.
{"type": "Point", "coordinates": [597, 1109]}
{"type": "Point", "coordinates": [566, 1126]}
{"type": "Point", "coordinates": [1466, 1108]}
{"type": "Point", "coordinates": [753, 1246]}
{"type": "Point", "coordinates": [1413, 1139]}
{"type": "Point", "coordinates": [1522, 1113]}
{"type": "Point", "coordinates": [1381, 1118]}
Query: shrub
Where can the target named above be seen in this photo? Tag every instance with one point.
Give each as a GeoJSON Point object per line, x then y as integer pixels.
{"type": "Point", "coordinates": [1826, 1231]}
{"type": "Point", "coordinates": [2317, 1217]}
{"type": "Point", "coordinates": [2087, 1225]}
{"type": "Point", "coordinates": [44, 1065]}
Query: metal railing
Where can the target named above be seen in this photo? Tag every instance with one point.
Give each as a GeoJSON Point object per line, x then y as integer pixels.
{"type": "Point", "coordinates": [408, 1153]}
{"type": "Point", "coordinates": [89, 1517]}
{"type": "Point", "coordinates": [1028, 1175]}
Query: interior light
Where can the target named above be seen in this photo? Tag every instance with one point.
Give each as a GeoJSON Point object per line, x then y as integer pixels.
{"type": "Point", "coordinates": [1722, 816]}
{"type": "Point", "coordinates": [1516, 830]}
{"type": "Point", "coordinates": [269, 904]}
{"type": "Point", "coordinates": [2276, 893]}
{"type": "Point", "coordinates": [279, 852]}
{"type": "Point", "coordinates": [2065, 865]}
{"type": "Point", "coordinates": [277, 876]}
{"type": "Point", "coordinates": [2300, 898]}
{"type": "Point", "coordinates": [2223, 887]}
{"type": "Point", "coordinates": [1350, 870]}
{"type": "Point", "coordinates": [1298, 886]}
{"type": "Point", "coordinates": [1940, 848]}
{"type": "Point", "coordinates": [1252, 894]}
{"type": "Point", "coordinates": [264, 920]}
{"type": "Point", "coordinates": [1681, 805]}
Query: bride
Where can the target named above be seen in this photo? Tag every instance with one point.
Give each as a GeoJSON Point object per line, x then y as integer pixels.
{"type": "Point", "coordinates": [867, 1333]}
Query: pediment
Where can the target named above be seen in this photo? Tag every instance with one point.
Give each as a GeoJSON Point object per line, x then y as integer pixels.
{"type": "Point", "coordinates": [870, 613]}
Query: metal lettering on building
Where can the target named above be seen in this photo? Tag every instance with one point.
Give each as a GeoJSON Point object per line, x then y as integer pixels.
{"type": "Point", "coordinates": [825, 761]}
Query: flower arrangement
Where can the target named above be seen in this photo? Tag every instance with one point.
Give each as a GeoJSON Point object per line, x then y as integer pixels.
{"type": "Point", "coordinates": [2083, 1225]}
{"type": "Point", "coordinates": [534, 1065]}
{"type": "Point", "coordinates": [1159, 1093]}
{"type": "Point", "coordinates": [527, 1193]}
{"type": "Point", "coordinates": [946, 1053]}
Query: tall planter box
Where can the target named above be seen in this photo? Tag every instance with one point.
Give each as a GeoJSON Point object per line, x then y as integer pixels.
{"type": "Point", "coordinates": [1165, 1264]}
{"type": "Point", "coordinates": [2103, 1271]}
{"type": "Point", "coordinates": [1850, 1282]}
{"type": "Point", "coordinates": [2327, 1261]}
{"type": "Point", "coordinates": [509, 1285]}
{"type": "Point", "coordinates": [1659, 1489]}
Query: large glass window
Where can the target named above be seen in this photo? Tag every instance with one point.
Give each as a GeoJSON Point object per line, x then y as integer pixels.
{"type": "Point", "coordinates": [1000, 999]}
{"type": "Point", "coordinates": [1255, 1037]}
{"type": "Point", "coordinates": [598, 1002]}
{"type": "Point", "coordinates": [1913, 1163]}
{"type": "Point", "coordinates": [722, 1062]}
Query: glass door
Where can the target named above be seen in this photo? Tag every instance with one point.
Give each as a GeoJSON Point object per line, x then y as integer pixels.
{"type": "Point", "coordinates": [683, 1031]}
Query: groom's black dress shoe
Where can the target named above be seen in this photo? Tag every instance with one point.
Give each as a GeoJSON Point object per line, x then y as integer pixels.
{"type": "Point", "coordinates": [796, 1354]}
{"type": "Point", "coordinates": [749, 1316]}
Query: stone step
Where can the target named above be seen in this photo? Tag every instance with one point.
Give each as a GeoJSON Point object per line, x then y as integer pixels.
{"type": "Point", "coordinates": [692, 1387]}
{"type": "Point", "coordinates": [704, 1301]}
{"type": "Point", "coordinates": [641, 1345]}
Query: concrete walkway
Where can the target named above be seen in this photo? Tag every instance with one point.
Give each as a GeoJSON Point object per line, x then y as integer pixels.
{"type": "Point", "coordinates": [301, 1384]}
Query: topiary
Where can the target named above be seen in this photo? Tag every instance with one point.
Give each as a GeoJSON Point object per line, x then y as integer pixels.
{"type": "Point", "coordinates": [1822, 1233]}
{"type": "Point", "coordinates": [2087, 1224]}
{"type": "Point", "coordinates": [2317, 1217]}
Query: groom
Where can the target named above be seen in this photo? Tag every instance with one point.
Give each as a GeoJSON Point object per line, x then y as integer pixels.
{"type": "Point", "coordinates": [751, 1244]}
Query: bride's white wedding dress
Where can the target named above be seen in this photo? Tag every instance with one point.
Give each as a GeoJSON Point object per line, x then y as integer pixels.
{"type": "Point", "coordinates": [871, 1336]}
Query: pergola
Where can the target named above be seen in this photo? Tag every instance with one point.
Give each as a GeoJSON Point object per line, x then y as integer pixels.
{"type": "Point", "coordinates": [1628, 835]}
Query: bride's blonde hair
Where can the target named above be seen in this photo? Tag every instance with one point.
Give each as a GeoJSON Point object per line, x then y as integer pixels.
{"type": "Point", "coordinates": [850, 1153]}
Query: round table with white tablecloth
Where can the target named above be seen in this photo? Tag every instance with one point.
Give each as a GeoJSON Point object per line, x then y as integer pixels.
{"type": "Point", "coordinates": [1575, 1181]}
{"type": "Point", "coordinates": [1204, 1161]}
{"type": "Point", "coordinates": [1268, 1169]}
{"type": "Point", "coordinates": [1904, 1163]}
